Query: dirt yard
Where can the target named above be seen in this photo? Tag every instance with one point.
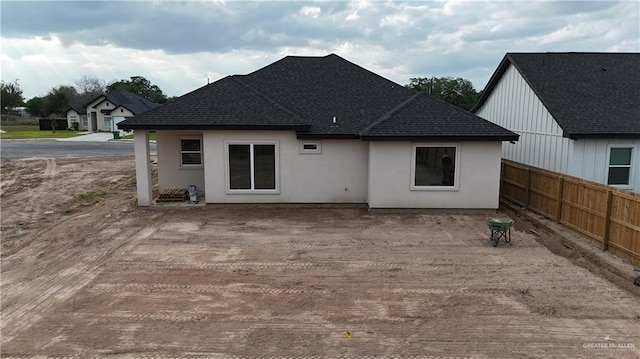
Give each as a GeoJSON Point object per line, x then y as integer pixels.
{"type": "Point", "coordinates": [85, 273]}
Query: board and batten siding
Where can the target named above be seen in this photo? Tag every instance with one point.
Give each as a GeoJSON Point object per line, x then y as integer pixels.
{"type": "Point", "coordinates": [591, 160]}
{"type": "Point", "coordinates": [514, 106]}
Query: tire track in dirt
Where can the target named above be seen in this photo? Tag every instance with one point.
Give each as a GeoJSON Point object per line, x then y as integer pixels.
{"type": "Point", "coordinates": [63, 284]}
{"type": "Point", "coordinates": [226, 356]}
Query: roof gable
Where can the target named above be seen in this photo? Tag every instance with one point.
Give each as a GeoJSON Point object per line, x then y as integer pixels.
{"type": "Point", "coordinates": [135, 103]}
{"type": "Point", "coordinates": [588, 94]}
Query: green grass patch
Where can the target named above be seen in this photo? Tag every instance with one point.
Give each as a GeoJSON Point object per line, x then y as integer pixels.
{"type": "Point", "coordinates": [90, 196]}
{"type": "Point", "coordinates": [38, 134]}
{"type": "Point", "coordinates": [152, 136]}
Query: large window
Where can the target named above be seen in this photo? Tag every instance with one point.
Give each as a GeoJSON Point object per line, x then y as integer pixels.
{"type": "Point", "coordinates": [620, 166]}
{"type": "Point", "coordinates": [434, 167]}
{"type": "Point", "coordinates": [85, 123]}
{"type": "Point", "coordinates": [252, 166]}
{"type": "Point", "coordinates": [191, 152]}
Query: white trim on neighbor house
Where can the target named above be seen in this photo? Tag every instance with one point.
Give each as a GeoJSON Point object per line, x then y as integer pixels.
{"type": "Point", "coordinates": [252, 189]}
{"type": "Point", "coordinates": [630, 175]}
{"type": "Point", "coordinates": [438, 161]}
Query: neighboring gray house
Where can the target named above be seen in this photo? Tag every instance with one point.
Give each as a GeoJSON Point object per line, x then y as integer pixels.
{"type": "Point", "coordinates": [576, 113]}
{"type": "Point", "coordinates": [320, 130]}
{"type": "Point", "coordinates": [105, 111]}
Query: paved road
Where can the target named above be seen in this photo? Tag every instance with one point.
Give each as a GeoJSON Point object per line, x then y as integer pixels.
{"type": "Point", "coordinates": [19, 149]}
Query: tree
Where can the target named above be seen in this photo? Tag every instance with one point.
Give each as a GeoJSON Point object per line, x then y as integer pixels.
{"type": "Point", "coordinates": [59, 99]}
{"type": "Point", "coordinates": [141, 86]}
{"type": "Point", "coordinates": [89, 88]}
{"type": "Point", "coordinates": [36, 106]}
{"type": "Point", "coordinates": [459, 92]}
{"type": "Point", "coordinates": [10, 96]}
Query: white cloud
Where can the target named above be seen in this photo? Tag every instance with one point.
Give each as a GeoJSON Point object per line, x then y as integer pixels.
{"type": "Point", "coordinates": [310, 11]}
{"type": "Point", "coordinates": [177, 45]}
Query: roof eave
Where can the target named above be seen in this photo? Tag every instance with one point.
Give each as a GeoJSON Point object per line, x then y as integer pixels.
{"type": "Point", "coordinates": [442, 138]}
{"type": "Point", "coordinates": [151, 127]}
{"type": "Point", "coordinates": [331, 136]}
{"type": "Point", "coordinates": [493, 82]}
{"type": "Point", "coordinates": [577, 136]}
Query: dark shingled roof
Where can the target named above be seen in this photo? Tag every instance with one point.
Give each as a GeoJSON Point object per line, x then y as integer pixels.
{"type": "Point", "coordinates": [306, 93]}
{"type": "Point", "coordinates": [588, 94]}
{"type": "Point", "coordinates": [131, 101]}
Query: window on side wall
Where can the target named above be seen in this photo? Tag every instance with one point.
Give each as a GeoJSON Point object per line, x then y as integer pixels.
{"type": "Point", "coordinates": [620, 159]}
{"type": "Point", "coordinates": [190, 152]}
{"type": "Point", "coordinates": [435, 167]}
{"type": "Point", "coordinates": [107, 121]}
{"type": "Point", "coordinates": [252, 167]}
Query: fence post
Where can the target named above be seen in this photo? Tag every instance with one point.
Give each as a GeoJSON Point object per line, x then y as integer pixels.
{"type": "Point", "coordinates": [560, 197]}
{"type": "Point", "coordinates": [526, 188]}
{"type": "Point", "coordinates": [500, 193]}
{"type": "Point", "coordinates": [607, 221]}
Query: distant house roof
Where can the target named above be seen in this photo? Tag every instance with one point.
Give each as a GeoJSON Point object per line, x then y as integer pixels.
{"type": "Point", "coordinates": [78, 109]}
{"type": "Point", "coordinates": [305, 94]}
{"type": "Point", "coordinates": [588, 94]}
{"type": "Point", "coordinates": [131, 101]}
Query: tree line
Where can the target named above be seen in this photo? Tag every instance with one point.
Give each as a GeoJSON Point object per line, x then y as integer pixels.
{"type": "Point", "coordinates": [58, 100]}
{"type": "Point", "coordinates": [61, 98]}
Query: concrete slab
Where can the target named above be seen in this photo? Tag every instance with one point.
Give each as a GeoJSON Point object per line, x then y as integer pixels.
{"type": "Point", "coordinates": [90, 137]}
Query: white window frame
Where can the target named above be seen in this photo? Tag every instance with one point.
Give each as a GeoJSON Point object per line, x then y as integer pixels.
{"type": "Point", "coordinates": [317, 150]}
{"type": "Point", "coordinates": [228, 189]}
{"type": "Point", "coordinates": [201, 152]}
{"type": "Point", "coordinates": [456, 170]}
{"type": "Point", "coordinates": [630, 166]}
{"type": "Point", "coordinates": [84, 120]}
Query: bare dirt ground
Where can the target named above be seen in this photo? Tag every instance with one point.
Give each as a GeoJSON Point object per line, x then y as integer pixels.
{"type": "Point", "coordinates": [86, 273]}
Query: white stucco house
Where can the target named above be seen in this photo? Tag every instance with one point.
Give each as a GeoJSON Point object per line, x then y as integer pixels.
{"type": "Point", "coordinates": [320, 130]}
{"type": "Point", "coordinates": [576, 113]}
{"type": "Point", "coordinates": [107, 110]}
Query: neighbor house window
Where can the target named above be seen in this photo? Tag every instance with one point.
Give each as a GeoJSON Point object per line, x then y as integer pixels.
{"type": "Point", "coordinates": [107, 121]}
{"type": "Point", "coordinates": [620, 166]}
{"type": "Point", "coordinates": [252, 166]}
{"type": "Point", "coordinates": [85, 122]}
{"type": "Point", "coordinates": [434, 167]}
{"type": "Point", "coordinates": [191, 152]}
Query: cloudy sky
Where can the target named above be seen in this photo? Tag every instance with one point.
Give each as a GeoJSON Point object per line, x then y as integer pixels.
{"type": "Point", "coordinates": [178, 45]}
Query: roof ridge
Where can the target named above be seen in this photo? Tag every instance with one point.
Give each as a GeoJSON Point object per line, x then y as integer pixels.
{"type": "Point", "coordinates": [388, 114]}
{"type": "Point", "coordinates": [267, 98]}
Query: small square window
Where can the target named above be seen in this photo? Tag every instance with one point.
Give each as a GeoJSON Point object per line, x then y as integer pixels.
{"type": "Point", "coordinates": [310, 147]}
{"type": "Point", "coordinates": [191, 152]}
{"type": "Point", "coordinates": [619, 171]}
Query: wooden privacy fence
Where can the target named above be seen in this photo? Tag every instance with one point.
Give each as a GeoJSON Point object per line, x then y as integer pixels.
{"type": "Point", "coordinates": [606, 214]}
